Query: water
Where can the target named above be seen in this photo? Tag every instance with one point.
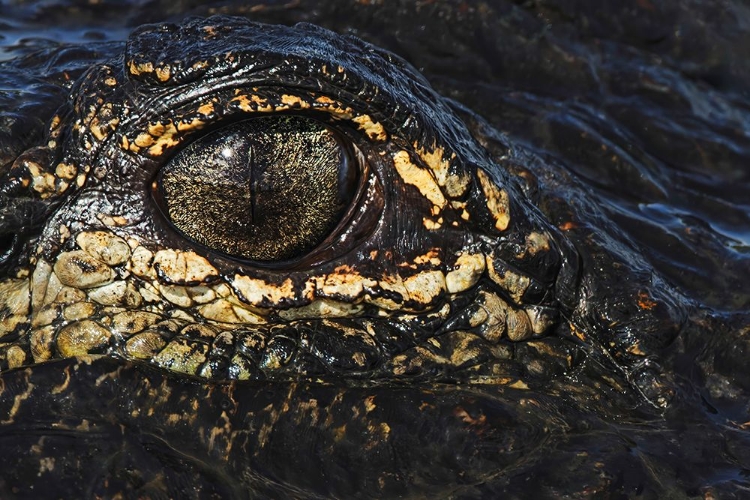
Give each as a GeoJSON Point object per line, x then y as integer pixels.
{"type": "Point", "coordinates": [642, 106]}
{"type": "Point", "coordinates": [29, 26]}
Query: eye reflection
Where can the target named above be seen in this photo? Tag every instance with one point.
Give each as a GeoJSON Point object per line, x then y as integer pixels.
{"type": "Point", "coordinates": [264, 189]}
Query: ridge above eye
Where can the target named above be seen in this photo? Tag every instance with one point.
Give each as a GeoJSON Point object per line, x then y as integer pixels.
{"type": "Point", "coordinates": [264, 189]}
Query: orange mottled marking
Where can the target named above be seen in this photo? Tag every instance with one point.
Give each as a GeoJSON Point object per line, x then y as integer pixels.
{"type": "Point", "coordinates": [645, 302]}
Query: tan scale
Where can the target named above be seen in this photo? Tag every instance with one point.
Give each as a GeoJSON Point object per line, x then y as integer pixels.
{"type": "Point", "coordinates": [184, 267]}
{"type": "Point", "coordinates": [80, 270]}
{"type": "Point", "coordinates": [119, 292]}
{"type": "Point", "coordinates": [15, 304]}
{"type": "Point", "coordinates": [517, 325]}
{"type": "Point", "coordinates": [425, 287]}
{"type": "Point", "coordinates": [540, 319]}
{"type": "Point", "coordinates": [432, 225]}
{"type": "Point", "coordinates": [144, 345]}
{"type": "Point", "coordinates": [498, 202]}
{"type": "Point", "coordinates": [256, 291]}
{"type": "Point", "coordinates": [176, 295]}
{"type": "Point", "coordinates": [15, 357]}
{"type": "Point", "coordinates": [104, 246]}
{"type": "Point", "coordinates": [130, 322]}
{"type": "Point", "coordinates": [66, 171]}
{"type": "Point", "coordinates": [163, 73]}
{"type": "Point", "coordinates": [535, 243]}
{"type": "Point", "coordinates": [466, 272]}
{"type": "Point", "coordinates": [140, 68]}
{"type": "Point", "coordinates": [112, 220]}
{"type": "Point", "coordinates": [46, 316]}
{"type": "Point", "coordinates": [79, 311]}
{"type": "Point", "coordinates": [182, 356]}
{"type": "Point", "coordinates": [41, 341]}
{"type": "Point", "coordinates": [200, 294]}
{"type": "Point", "coordinates": [455, 185]}
{"type": "Point", "coordinates": [141, 262]}
{"type": "Point", "coordinates": [223, 311]}
{"type": "Point", "coordinates": [420, 178]}
{"type": "Point", "coordinates": [513, 283]}
{"type": "Point", "coordinates": [101, 130]}
{"type": "Point", "coordinates": [392, 284]}
{"type": "Point", "coordinates": [344, 281]}
{"type": "Point", "coordinates": [70, 295]}
{"type": "Point", "coordinates": [80, 338]}
{"type": "Point", "coordinates": [322, 308]}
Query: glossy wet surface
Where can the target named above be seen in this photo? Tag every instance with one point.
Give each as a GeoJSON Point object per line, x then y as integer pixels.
{"type": "Point", "coordinates": [644, 107]}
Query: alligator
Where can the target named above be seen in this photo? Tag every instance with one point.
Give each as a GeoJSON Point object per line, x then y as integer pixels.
{"type": "Point", "coordinates": [244, 259]}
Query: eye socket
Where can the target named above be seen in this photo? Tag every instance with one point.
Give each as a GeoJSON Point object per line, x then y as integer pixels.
{"type": "Point", "coordinates": [265, 189]}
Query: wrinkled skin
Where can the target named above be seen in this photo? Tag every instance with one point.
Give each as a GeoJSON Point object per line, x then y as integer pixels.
{"type": "Point", "coordinates": [491, 317]}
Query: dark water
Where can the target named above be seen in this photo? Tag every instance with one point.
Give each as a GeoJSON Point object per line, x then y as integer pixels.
{"type": "Point", "coordinates": [642, 105]}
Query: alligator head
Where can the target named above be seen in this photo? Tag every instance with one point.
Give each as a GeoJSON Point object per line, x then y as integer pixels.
{"type": "Point", "coordinates": [232, 201]}
{"type": "Point", "coordinates": [237, 201]}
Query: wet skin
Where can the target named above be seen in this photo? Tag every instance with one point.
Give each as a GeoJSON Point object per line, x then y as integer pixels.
{"type": "Point", "coordinates": [462, 318]}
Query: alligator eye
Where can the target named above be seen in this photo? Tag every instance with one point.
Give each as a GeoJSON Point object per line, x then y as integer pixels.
{"type": "Point", "coordinates": [264, 189]}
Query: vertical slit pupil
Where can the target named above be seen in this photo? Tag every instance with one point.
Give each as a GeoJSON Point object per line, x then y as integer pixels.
{"type": "Point", "coordinates": [253, 186]}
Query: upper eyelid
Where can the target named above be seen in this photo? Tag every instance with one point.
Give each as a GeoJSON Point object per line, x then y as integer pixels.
{"type": "Point", "coordinates": [152, 135]}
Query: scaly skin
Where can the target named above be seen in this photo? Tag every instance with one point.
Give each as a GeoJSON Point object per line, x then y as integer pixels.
{"type": "Point", "coordinates": [396, 358]}
{"type": "Point", "coordinates": [108, 274]}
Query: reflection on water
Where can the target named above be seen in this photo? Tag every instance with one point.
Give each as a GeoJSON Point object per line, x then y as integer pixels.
{"type": "Point", "coordinates": [18, 40]}
{"type": "Point", "coordinates": [23, 36]}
